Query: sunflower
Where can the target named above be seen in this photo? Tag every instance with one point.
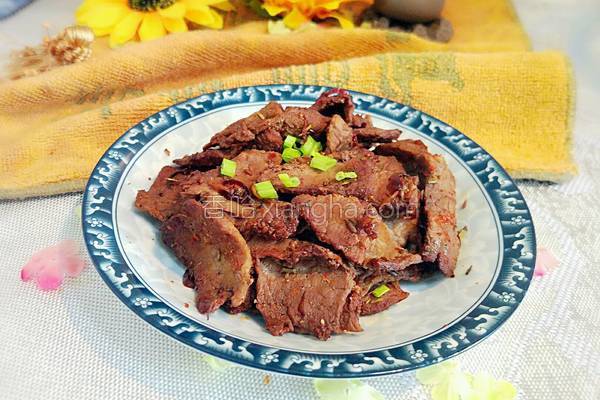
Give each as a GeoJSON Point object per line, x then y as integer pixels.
{"type": "Point", "coordinates": [298, 12]}
{"type": "Point", "coordinates": [126, 20]}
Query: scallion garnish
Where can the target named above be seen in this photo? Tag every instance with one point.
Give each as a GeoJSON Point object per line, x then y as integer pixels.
{"type": "Point", "coordinates": [340, 176]}
{"type": "Point", "coordinates": [228, 168]}
{"type": "Point", "coordinates": [265, 190]}
{"type": "Point", "coordinates": [289, 154]}
{"type": "Point", "coordinates": [289, 181]}
{"type": "Point", "coordinates": [290, 142]}
{"type": "Point", "coordinates": [310, 146]}
{"type": "Point", "coordinates": [321, 162]}
{"type": "Point", "coordinates": [380, 290]}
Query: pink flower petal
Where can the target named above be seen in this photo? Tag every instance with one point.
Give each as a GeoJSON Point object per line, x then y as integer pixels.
{"type": "Point", "coordinates": [49, 266]}
{"type": "Point", "coordinates": [50, 280]}
{"type": "Point", "coordinates": [545, 262]}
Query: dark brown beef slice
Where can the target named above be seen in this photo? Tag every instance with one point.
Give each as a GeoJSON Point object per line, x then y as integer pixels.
{"type": "Point", "coordinates": [376, 135]}
{"type": "Point", "coordinates": [215, 252]}
{"type": "Point", "coordinates": [309, 292]}
{"type": "Point", "coordinates": [339, 135]}
{"type": "Point", "coordinates": [295, 121]}
{"type": "Point", "coordinates": [440, 243]}
{"type": "Point", "coordinates": [374, 183]}
{"type": "Point", "coordinates": [370, 279]}
{"type": "Point", "coordinates": [413, 154]}
{"type": "Point", "coordinates": [346, 223]}
{"type": "Point", "coordinates": [335, 102]}
{"type": "Point", "coordinates": [339, 102]}
{"type": "Point", "coordinates": [299, 122]}
{"type": "Point", "coordinates": [250, 164]}
{"type": "Point", "coordinates": [373, 305]}
{"type": "Point", "coordinates": [243, 132]}
{"type": "Point", "coordinates": [208, 158]}
{"type": "Point", "coordinates": [272, 219]}
{"type": "Point", "coordinates": [235, 138]}
{"type": "Point", "coordinates": [159, 200]}
{"type": "Point", "coordinates": [361, 121]}
{"type": "Point", "coordinates": [172, 186]}
{"type": "Point", "coordinates": [354, 227]}
{"type": "Point", "coordinates": [248, 302]}
{"type": "Point", "coordinates": [385, 252]}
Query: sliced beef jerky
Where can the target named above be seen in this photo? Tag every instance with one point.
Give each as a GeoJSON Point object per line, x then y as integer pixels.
{"type": "Point", "coordinates": [310, 292]}
{"type": "Point", "coordinates": [243, 132]}
{"type": "Point", "coordinates": [371, 135]}
{"type": "Point", "coordinates": [271, 219]}
{"type": "Point", "coordinates": [339, 135]}
{"type": "Point", "coordinates": [215, 252]}
{"type": "Point", "coordinates": [361, 121]}
{"type": "Point", "coordinates": [208, 158]}
{"type": "Point", "coordinates": [252, 163]}
{"type": "Point", "coordinates": [335, 102]}
{"type": "Point", "coordinates": [346, 223]}
{"type": "Point", "coordinates": [413, 154]}
{"type": "Point", "coordinates": [440, 240]}
{"type": "Point", "coordinates": [249, 166]}
{"type": "Point", "coordinates": [299, 122]}
{"type": "Point", "coordinates": [373, 305]}
{"type": "Point", "coordinates": [369, 280]}
{"type": "Point", "coordinates": [386, 253]}
{"type": "Point", "coordinates": [381, 180]}
{"type": "Point", "coordinates": [441, 243]}
{"type": "Point", "coordinates": [354, 227]}
{"type": "Point", "coordinates": [163, 195]}
{"type": "Point", "coordinates": [248, 302]}
{"type": "Point", "coordinates": [269, 139]}
{"type": "Point", "coordinates": [172, 186]}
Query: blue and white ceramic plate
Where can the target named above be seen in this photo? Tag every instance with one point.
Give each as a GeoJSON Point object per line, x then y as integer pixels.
{"type": "Point", "coordinates": [441, 318]}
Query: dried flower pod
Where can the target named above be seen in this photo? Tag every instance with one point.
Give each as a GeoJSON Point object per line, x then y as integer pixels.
{"type": "Point", "coordinates": [72, 45]}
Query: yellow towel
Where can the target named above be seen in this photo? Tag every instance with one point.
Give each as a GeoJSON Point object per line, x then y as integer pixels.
{"type": "Point", "coordinates": [515, 103]}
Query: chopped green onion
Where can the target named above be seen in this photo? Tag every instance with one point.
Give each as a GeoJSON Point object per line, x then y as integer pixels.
{"type": "Point", "coordinates": [289, 181]}
{"type": "Point", "coordinates": [289, 154]}
{"type": "Point", "coordinates": [311, 146]}
{"type": "Point", "coordinates": [319, 148]}
{"type": "Point", "coordinates": [380, 290]}
{"type": "Point", "coordinates": [340, 176]}
{"type": "Point", "coordinates": [265, 190]}
{"type": "Point", "coordinates": [321, 162]}
{"type": "Point", "coordinates": [228, 168]}
{"type": "Point", "coordinates": [290, 141]}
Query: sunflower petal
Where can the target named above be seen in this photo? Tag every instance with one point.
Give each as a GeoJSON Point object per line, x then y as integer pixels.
{"type": "Point", "coordinates": [224, 6]}
{"type": "Point", "coordinates": [103, 15]}
{"type": "Point", "coordinates": [294, 19]}
{"type": "Point", "coordinates": [345, 23]}
{"type": "Point", "coordinates": [273, 10]}
{"type": "Point", "coordinates": [174, 25]}
{"type": "Point", "coordinates": [331, 5]}
{"type": "Point", "coordinates": [152, 27]}
{"type": "Point", "coordinates": [177, 10]}
{"type": "Point", "coordinates": [201, 16]}
{"type": "Point", "coordinates": [217, 20]}
{"type": "Point", "coordinates": [200, 4]}
{"type": "Point", "coordinates": [126, 28]}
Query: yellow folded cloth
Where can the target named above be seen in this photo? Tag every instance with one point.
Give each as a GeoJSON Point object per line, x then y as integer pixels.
{"type": "Point", "coordinates": [515, 103]}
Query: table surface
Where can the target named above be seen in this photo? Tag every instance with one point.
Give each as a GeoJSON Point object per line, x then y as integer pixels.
{"type": "Point", "coordinates": [81, 342]}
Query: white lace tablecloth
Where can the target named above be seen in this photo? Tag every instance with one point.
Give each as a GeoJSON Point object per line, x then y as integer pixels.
{"type": "Point", "coordinates": [81, 342]}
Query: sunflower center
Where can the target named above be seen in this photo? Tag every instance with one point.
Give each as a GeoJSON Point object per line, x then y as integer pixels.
{"type": "Point", "coordinates": [150, 5]}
